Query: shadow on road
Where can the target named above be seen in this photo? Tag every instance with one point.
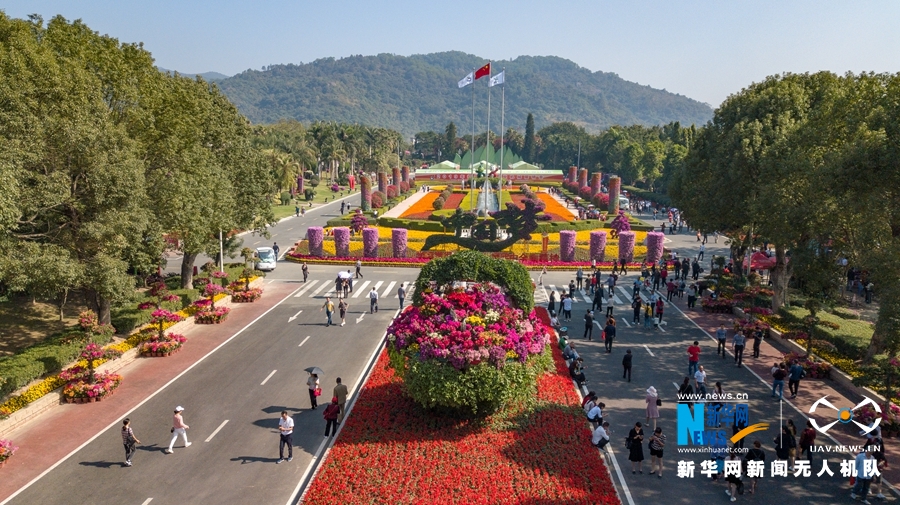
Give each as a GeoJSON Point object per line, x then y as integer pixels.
{"type": "Point", "coordinates": [253, 459]}
{"type": "Point", "coordinates": [101, 464]}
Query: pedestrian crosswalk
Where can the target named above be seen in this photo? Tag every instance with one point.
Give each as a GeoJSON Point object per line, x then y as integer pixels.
{"type": "Point", "coordinates": [622, 294]}
{"type": "Point", "coordinates": [321, 289]}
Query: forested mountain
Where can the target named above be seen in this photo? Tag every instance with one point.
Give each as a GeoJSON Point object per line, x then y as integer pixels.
{"type": "Point", "coordinates": [209, 76]}
{"type": "Point", "coordinates": [420, 93]}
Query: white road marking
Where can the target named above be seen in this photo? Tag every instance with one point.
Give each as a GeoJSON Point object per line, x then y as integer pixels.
{"type": "Point", "coordinates": [148, 500]}
{"type": "Point", "coordinates": [294, 316]}
{"type": "Point", "coordinates": [217, 429]}
{"type": "Point", "coordinates": [142, 402]}
{"type": "Point", "coordinates": [320, 288]}
{"type": "Point", "coordinates": [306, 288]}
{"type": "Point", "coordinates": [258, 241]}
{"type": "Point", "coordinates": [625, 320]}
{"type": "Point", "coordinates": [271, 281]}
{"type": "Point", "coordinates": [304, 341]}
{"type": "Point", "coordinates": [360, 318]}
{"type": "Point", "coordinates": [263, 383]}
{"type": "Point", "coordinates": [676, 386]}
{"type": "Point", "coordinates": [361, 289]}
{"type": "Point", "coordinates": [612, 456]}
{"type": "Point", "coordinates": [378, 285]}
{"type": "Point", "coordinates": [387, 291]}
{"type": "Point", "coordinates": [651, 354]}
{"type": "Point", "coordinates": [289, 229]}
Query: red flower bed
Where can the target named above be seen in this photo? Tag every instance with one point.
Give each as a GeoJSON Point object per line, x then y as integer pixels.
{"type": "Point", "coordinates": [454, 200]}
{"type": "Point", "coordinates": [390, 451]}
{"type": "Point", "coordinates": [519, 200]}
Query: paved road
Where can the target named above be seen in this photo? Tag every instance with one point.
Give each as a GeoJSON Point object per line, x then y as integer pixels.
{"type": "Point", "coordinates": [237, 465]}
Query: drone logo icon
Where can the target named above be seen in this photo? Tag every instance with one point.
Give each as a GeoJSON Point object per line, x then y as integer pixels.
{"type": "Point", "coordinates": [845, 415]}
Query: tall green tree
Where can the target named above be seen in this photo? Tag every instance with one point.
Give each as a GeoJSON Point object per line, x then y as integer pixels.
{"type": "Point", "coordinates": [528, 145]}
{"type": "Point", "coordinates": [450, 139]}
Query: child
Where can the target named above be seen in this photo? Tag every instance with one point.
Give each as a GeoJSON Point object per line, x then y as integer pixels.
{"type": "Point", "coordinates": [648, 316]}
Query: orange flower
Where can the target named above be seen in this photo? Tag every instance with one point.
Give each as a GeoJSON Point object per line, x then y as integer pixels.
{"type": "Point", "coordinates": [423, 208]}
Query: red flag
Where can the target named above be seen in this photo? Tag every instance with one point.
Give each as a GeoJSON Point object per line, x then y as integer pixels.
{"type": "Point", "coordinates": [483, 71]}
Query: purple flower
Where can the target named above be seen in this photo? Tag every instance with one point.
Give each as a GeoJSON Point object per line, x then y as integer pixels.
{"type": "Point", "coordinates": [626, 246]}
{"type": "Point", "coordinates": [598, 245]}
{"type": "Point", "coordinates": [398, 241]}
{"type": "Point", "coordinates": [654, 246]}
{"type": "Point", "coordinates": [341, 241]}
{"type": "Point", "coordinates": [315, 234]}
{"type": "Point", "coordinates": [370, 242]}
{"type": "Point", "coordinates": [595, 183]}
{"type": "Point", "coordinates": [567, 245]}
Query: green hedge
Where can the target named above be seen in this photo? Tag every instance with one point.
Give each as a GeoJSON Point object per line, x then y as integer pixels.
{"type": "Point", "coordinates": [38, 360]}
{"type": "Point", "coordinates": [851, 338]}
{"type": "Point", "coordinates": [410, 224]}
{"type": "Point", "coordinates": [649, 195]}
{"type": "Point", "coordinates": [844, 313]}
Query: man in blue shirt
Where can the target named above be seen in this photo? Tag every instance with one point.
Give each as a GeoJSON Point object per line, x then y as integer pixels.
{"type": "Point", "coordinates": [737, 345]}
{"type": "Point", "coordinates": [721, 335]}
{"type": "Point", "coordinates": [795, 373]}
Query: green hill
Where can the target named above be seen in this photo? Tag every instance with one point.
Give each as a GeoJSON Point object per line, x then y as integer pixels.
{"type": "Point", "coordinates": [420, 93]}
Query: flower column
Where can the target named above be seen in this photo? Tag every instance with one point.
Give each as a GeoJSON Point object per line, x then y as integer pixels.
{"type": "Point", "coordinates": [395, 176]}
{"type": "Point", "coordinates": [598, 245]}
{"type": "Point", "coordinates": [404, 174]}
{"type": "Point", "coordinates": [567, 246]}
{"type": "Point", "coordinates": [382, 182]}
{"type": "Point", "coordinates": [314, 235]}
{"type": "Point", "coordinates": [572, 174]}
{"type": "Point", "coordinates": [595, 183]}
{"type": "Point", "coordinates": [614, 189]}
{"type": "Point", "coordinates": [582, 178]}
{"type": "Point", "coordinates": [365, 191]}
{"type": "Point", "coordinates": [398, 241]}
{"type": "Point", "coordinates": [370, 242]}
{"type": "Point", "coordinates": [341, 241]}
{"type": "Point", "coordinates": [626, 246]}
{"type": "Point", "coordinates": [654, 246]}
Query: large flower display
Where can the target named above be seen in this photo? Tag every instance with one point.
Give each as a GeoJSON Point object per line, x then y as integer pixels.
{"type": "Point", "coordinates": [567, 245]}
{"type": "Point", "coordinates": [468, 350]}
{"type": "Point", "coordinates": [315, 235]}
{"type": "Point", "coordinates": [598, 245]}
{"type": "Point", "coordinates": [398, 242]}
{"type": "Point", "coordinates": [596, 184]}
{"type": "Point", "coordinates": [370, 242]}
{"type": "Point", "coordinates": [615, 185]}
{"type": "Point", "coordinates": [341, 241]}
{"type": "Point", "coordinates": [654, 246]}
{"type": "Point", "coordinates": [626, 246]}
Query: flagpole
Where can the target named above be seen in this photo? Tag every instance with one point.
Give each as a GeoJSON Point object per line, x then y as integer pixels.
{"type": "Point", "coordinates": [487, 134]}
{"type": "Point", "coordinates": [472, 147]}
{"type": "Point", "coordinates": [502, 131]}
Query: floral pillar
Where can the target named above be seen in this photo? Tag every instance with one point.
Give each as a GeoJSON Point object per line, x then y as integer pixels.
{"type": "Point", "coordinates": [654, 246]}
{"type": "Point", "coordinates": [314, 235]}
{"type": "Point", "coordinates": [582, 178]}
{"type": "Point", "coordinates": [567, 246]}
{"type": "Point", "coordinates": [365, 191]}
{"type": "Point", "coordinates": [614, 188]}
{"type": "Point", "coordinates": [404, 174]}
{"type": "Point", "coordinates": [395, 176]}
{"type": "Point", "coordinates": [398, 241]}
{"type": "Point", "coordinates": [595, 183]}
{"type": "Point", "coordinates": [341, 241]}
{"type": "Point", "coordinates": [598, 245]}
{"type": "Point", "coordinates": [370, 242]}
{"type": "Point", "coordinates": [572, 174]}
{"type": "Point", "coordinates": [626, 246]}
{"type": "Point", "coordinates": [382, 182]}
{"type": "Point", "coordinates": [300, 187]}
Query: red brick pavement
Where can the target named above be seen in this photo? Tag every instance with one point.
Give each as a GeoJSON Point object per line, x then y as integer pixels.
{"type": "Point", "coordinates": [45, 441]}
{"type": "Point", "coordinates": [810, 389]}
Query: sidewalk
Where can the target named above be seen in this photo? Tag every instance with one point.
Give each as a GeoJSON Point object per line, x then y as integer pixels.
{"type": "Point", "coordinates": [404, 205]}
{"type": "Point", "coordinates": [63, 430]}
{"type": "Point", "coordinates": [810, 391]}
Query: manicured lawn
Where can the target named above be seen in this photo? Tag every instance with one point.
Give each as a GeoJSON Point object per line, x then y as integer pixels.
{"type": "Point", "coordinates": [391, 451]}
{"type": "Point", "coordinates": [322, 193]}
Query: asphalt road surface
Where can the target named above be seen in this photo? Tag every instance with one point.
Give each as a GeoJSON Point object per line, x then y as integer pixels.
{"type": "Point", "coordinates": [233, 400]}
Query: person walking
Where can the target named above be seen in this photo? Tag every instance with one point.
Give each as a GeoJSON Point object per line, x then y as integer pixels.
{"type": "Point", "coordinates": [648, 316]}
{"type": "Point", "coordinates": [401, 294]}
{"type": "Point", "coordinates": [636, 305]}
{"type": "Point", "coordinates": [129, 440]}
{"type": "Point", "coordinates": [541, 276]}
{"type": "Point", "coordinates": [626, 364]}
{"type": "Point", "coordinates": [373, 301]}
{"type": "Point", "coordinates": [757, 341]}
{"type": "Point", "coordinates": [653, 403]}
{"type": "Point", "coordinates": [340, 392]}
{"type": "Point", "coordinates": [695, 269]}
{"type": "Point", "coordinates": [778, 383]}
{"type": "Point", "coordinates": [328, 306]}
{"type": "Point", "coordinates": [551, 305]}
{"type": "Point", "coordinates": [807, 441]}
{"type": "Point", "coordinates": [610, 333]}
{"type": "Point", "coordinates": [659, 310]}
{"type": "Point", "coordinates": [178, 428]}
{"type": "Point", "coordinates": [588, 325]}
{"type": "Point", "coordinates": [657, 443]}
{"type": "Point", "coordinates": [795, 373]}
{"type": "Point", "coordinates": [702, 250]}
{"type": "Point", "coordinates": [755, 454]}
{"type": "Point", "coordinates": [579, 278]}
{"type": "Point", "coordinates": [286, 437]}
{"type": "Point", "coordinates": [692, 295]}
{"type": "Point", "coordinates": [598, 300]}
{"type": "Point", "coordinates": [636, 447]}
{"type": "Point", "coordinates": [737, 345]}
{"type": "Point", "coordinates": [276, 249]}
{"type": "Point", "coordinates": [331, 414]}
{"type": "Point", "coordinates": [693, 352]}
{"type": "Point", "coordinates": [609, 304]}
{"type": "Point", "coordinates": [358, 269]}
{"type": "Point", "coordinates": [733, 480]}
{"type": "Point", "coordinates": [305, 270]}
{"type": "Point", "coordinates": [312, 384]}
{"type": "Point", "coordinates": [685, 393]}
{"type": "Point", "coordinates": [567, 307]}
{"type": "Point", "coordinates": [864, 474]}
{"type": "Point", "coordinates": [721, 338]}
{"type": "Point", "coordinates": [700, 380]}
{"type": "Point", "coordinates": [342, 310]}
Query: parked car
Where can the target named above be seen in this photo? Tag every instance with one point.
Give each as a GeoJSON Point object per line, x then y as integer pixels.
{"type": "Point", "coordinates": [265, 259]}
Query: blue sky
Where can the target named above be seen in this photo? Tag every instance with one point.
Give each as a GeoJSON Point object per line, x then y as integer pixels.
{"type": "Point", "coordinates": [702, 49]}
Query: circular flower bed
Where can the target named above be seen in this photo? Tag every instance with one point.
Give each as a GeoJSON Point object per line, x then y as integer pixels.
{"type": "Point", "coordinates": [83, 391]}
{"type": "Point", "coordinates": [246, 296]}
{"type": "Point", "coordinates": [158, 347]}
{"type": "Point", "coordinates": [214, 316]}
{"type": "Point", "coordinates": [7, 449]}
{"type": "Point", "coordinates": [468, 351]}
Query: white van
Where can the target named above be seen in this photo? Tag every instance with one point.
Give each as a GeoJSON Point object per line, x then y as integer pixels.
{"type": "Point", "coordinates": [265, 259]}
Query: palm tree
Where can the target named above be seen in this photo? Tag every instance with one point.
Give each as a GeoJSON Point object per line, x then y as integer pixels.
{"type": "Point", "coordinates": [333, 153]}
{"type": "Point", "coordinates": [287, 171]}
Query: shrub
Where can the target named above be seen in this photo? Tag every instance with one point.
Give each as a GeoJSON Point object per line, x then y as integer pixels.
{"type": "Point", "coordinates": [358, 222]}
{"type": "Point", "coordinates": [845, 313]}
{"type": "Point", "coordinates": [392, 191]}
{"type": "Point", "coordinates": [49, 356]}
{"type": "Point", "coordinates": [404, 187]}
{"type": "Point", "coordinates": [600, 200]}
{"type": "Point", "coordinates": [285, 197]}
{"type": "Point", "coordinates": [335, 188]}
{"type": "Point", "coordinates": [438, 203]}
{"type": "Point", "coordinates": [377, 200]}
{"type": "Point", "coordinates": [314, 181]}
{"type": "Point", "coordinates": [585, 192]}
{"type": "Point", "coordinates": [478, 267]}
{"type": "Point", "coordinates": [851, 338]}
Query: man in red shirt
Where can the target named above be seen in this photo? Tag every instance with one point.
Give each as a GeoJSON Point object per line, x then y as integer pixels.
{"type": "Point", "coordinates": [693, 358]}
